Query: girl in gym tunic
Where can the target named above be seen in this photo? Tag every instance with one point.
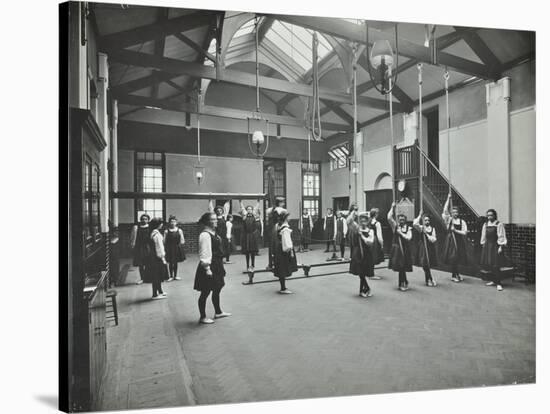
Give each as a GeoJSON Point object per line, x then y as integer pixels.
{"type": "Point", "coordinates": [427, 255]}
{"type": "Point", "coordinates": [284, 260]}
{"type": "Point", "coordinates": [493, 240]}
{"type": "Point", "coordinates": [305, 224]}
{"type": "Point", "coordinates": [249, 236]}
{"type": "Point", "coordinates": [341, 232]}
{"type": "Point", "coordinates": [139, 241]}
{"type": "Point", "coordinates": [210, 271]}
{"type": "Point", "coordinates": [400, 255]}
{"type": "Point", "coordinates": [173, 242]}
{"type": "Point", "coordinates": [361, 242]}
{"type": "Point", "coordinates": [454, 253]}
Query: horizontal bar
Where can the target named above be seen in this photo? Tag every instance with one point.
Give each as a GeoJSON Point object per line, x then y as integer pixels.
{"type": "Point", "coordinates": [188, 196]}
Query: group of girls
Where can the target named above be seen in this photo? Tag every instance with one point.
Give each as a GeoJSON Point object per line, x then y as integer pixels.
{"type": "Point", "coordinates": [493, 240]}
{"type": "Point", "coordinates": [157, 251]}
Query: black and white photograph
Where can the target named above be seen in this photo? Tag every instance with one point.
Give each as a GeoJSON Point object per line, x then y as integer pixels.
{"type": "Point", "coordinates": [264, 206]}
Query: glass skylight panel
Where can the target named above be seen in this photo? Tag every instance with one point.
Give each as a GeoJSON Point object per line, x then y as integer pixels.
{"type": "Point", "coordinates": [246, 28]}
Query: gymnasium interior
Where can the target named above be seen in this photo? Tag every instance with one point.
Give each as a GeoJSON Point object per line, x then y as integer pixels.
{"type": "Point", "coordinates": [171, 110]}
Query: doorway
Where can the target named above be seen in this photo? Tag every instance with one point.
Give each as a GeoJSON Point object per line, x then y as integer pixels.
{"type": "Point", "coordinates": [432, 118]}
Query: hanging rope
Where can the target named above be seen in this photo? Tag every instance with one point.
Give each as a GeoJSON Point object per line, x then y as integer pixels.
{"type": "Point", "coordinates": [392, 136]}
{"type": "Point", "coordinates": [199, 97]}
{"type": "Point", "coordinates": [257, 66]}
{"type": "Point", "coordinates": [420, 138]}
{"type": "Point", "coordinates": [316, 108]}
{"type": "Point", "coordinates": [446, 77]}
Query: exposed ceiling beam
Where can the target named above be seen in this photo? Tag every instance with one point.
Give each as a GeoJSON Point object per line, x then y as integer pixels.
{"type": "Point", "coordinates": [141, 83]}
{"type": "Point", "coordinates": [240, 78]}
{"type": "Point", "coordinates": [339, 111]}
{"type": "Point", "coordinates": [427, 98]}
{"type": "Point", "coordinates": [264, 27]}
{"type": "Point", "coordinates": [216, 111]}
{"type": "Point", "coordinates": [480, 48]}
{"type": "Point", "coordinates": [197, 48]}
{"type": "Point", "coordinates": [342, 29]}
{"type": "Point", "coordinates": [155, 31]}
{"type": "Point", "coordinates": [159, 45]}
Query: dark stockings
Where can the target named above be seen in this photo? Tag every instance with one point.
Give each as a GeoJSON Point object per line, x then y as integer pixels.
{"type": "Point", "coordinates": [215, 301]}
{"type": "Point", "coordinates": [141, 271]}
{"type": "Point", "coordinates": [157, 286]}
{"type": "Point", "coordinates": [250, 259]}
{"type": "Point", "coordinates": [363, 284]}
{"type": "Point", "coordinates": [403, 279]}
{"type": "Point", "coordinates": [282, 281]}
{"type": "Point", "coordinates": [342, 249]}
{"type": "Point", "coordinates": [427, 273]}
{"type": "Point", "coordinates": [173, 269]}
{"type": "Point", "coordinates": [333, 244]}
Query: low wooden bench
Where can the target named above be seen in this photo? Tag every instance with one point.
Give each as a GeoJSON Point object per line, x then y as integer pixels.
{"type": "Point", "coordinates": [305, 267]}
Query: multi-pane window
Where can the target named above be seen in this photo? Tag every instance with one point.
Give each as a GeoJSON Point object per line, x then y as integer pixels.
{"type": "Point", "coordinates": [275, 178]}
{"type": "Point", "coordinates": [150, 179]}
{"type": "Point", "coordinates": [339, 156]}
{"type": "Point", "coordinates": [311, 188]}
{"type": "Point", "coordinates": [91, 201]}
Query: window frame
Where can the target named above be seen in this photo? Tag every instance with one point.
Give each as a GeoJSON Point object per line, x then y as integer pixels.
{"type": "Point", "coordinates": [139, 166]}
{"type": "Point", "coordinates": [318, 198]}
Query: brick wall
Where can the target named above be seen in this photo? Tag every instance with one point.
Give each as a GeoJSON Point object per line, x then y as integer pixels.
{"type": "Point", "coordinates": [521, 245]}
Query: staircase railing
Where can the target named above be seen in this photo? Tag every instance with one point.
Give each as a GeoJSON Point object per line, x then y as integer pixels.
{"type": "Point", "coordinates": [438, 185]}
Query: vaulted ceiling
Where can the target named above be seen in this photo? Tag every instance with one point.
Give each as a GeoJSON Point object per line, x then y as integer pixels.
{"type": "Point", "coordinates": [160, 57]}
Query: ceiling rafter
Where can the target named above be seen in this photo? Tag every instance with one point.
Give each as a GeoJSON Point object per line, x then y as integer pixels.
{"type": "Point", "coordinates": [216, 111]}
{"type": "Point", "coordinates": [155, 31]}
{"type": "Point", "coordinates": [474, 41]}
{"type": "Point", "coordinates": [197, 48]}
{"type": "Point", "coordinates": [160, 44]}
{"type": "Point", "coordinates": [355, 33]}
{"type": "Point", "coordinates": [236, 77]}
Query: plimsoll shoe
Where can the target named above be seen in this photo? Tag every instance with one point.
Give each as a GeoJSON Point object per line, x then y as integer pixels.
{"type": "Point", "coordinates": [206, 320]}
{"type": "Point", "coordinates": [490, 284]}
{"type": "Point", "coordinates": [177, 278]}
{"type": "Point", "coordinates": [222, 315]}
{"type": "Point", "coordinates": [363, 294]}
{"type": "Point", "coordinates": [285, 292]}
{"type": "Point", "coordinates": [500, 288]}
{"type": "Point", "coordinates": [159, 297]}
{"type": "Point", "coordinates": [369, 294]}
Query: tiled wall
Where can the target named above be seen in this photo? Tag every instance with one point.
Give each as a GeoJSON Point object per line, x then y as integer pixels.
{"type": "Point", "coordinates": [521, 245]}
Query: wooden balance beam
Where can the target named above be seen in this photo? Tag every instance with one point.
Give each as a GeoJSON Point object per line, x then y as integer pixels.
{"type": "Point", "coordinates": [305, 267]}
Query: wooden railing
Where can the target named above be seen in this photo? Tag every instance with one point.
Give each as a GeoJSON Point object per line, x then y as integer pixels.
{"type": "Point", "coordinates": [410, 162]}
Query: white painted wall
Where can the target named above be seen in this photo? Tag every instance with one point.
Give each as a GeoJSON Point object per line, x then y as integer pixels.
{"type": "Point", "coordinates": [468, 156]}
{"type": "Point", "coordinates": [223, 175]}
{"type": "Point", "coordinates": [333, 184]}
{"type": "Point", "coordinates": [523, 162]}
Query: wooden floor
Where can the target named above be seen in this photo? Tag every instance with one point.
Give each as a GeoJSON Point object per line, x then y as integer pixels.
{"type": "Point", "coordinates": [322, 341]}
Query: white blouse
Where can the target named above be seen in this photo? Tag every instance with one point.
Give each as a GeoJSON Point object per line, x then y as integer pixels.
{"type": "Point", "coordinates": [286, 238]}
{"type": "Point", "coordinates": [158, 240]}
{"type": "Point", "coordinates": [501, 233]}
{"type": "Point", "coordinates": [205, 247]}
{"type": "Point", "coordinates": [420, 227]}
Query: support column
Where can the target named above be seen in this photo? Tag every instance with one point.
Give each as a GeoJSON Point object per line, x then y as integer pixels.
{"type": "Point", "coordinates": [114, 157]}
{"type": "Point", "coordinates": [498, 147]}
{"type": "Point", "coordinates": [360, 170]}
{"type": "Point", "coordinates": [103, 122]}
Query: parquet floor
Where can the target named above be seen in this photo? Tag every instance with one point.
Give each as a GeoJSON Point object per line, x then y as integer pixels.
{"type": "Point", "coordinates": [322, 341]}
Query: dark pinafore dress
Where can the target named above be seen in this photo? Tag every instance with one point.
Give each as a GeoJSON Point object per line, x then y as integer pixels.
{"type": "Point", "coordinates": [329, 228]}
{"type": "Point", "coordinates": [427, 254]}
{"type": "Point", "coordinates": [400, 255]}
{"type": "Point", "coordinates": [376, 249]}
{"type": "Point", "coordinates": [216, 281]}
{"type": "Point", "coordinates": [361, 263]}
{"type": "Point", "coordinates": [306, 230]}
{"type": "Point", "coordinates": [142, 247]}
{"type": "Point", "coordinates": [173, 247]}
{"type": "Point", "coordinates": [284, 263]}
{"type": "Point", "coordinates": [249, 234]}
{"type": "Point", "coordinates": [455, 247]}
{"type": "Point", "coordinates": [221, 231]}
{"type": "Point", "coordinates": [489, 253]}
{"type": "Point", "coordinates": [340, 237]}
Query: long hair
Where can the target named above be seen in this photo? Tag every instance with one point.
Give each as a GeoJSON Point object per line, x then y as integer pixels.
{"type": "Point", "coordinates": [374, 212]}
{"type": "Point", "coordinates": [155, 223]}
{"type": "Point", "coordinates": [205, 219]}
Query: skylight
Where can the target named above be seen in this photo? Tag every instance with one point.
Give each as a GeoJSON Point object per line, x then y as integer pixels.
{"type": "Point", "coordinates": [246, 28]}
{"type": "Point", "coordinates": [296, 42]}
